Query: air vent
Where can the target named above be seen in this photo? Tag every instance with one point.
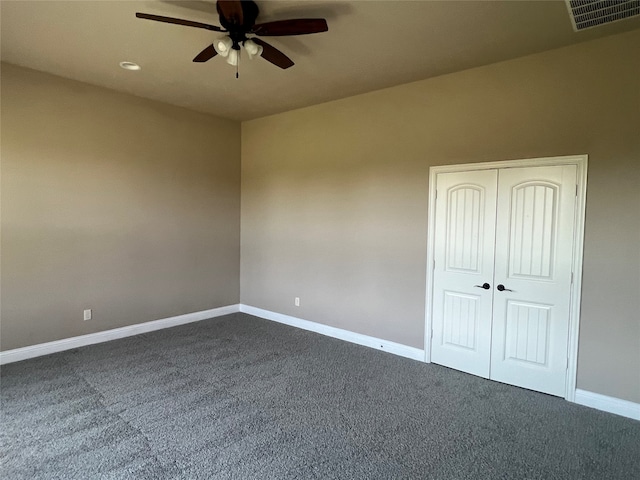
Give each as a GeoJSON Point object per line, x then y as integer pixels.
{"type": "Point", "coordinates": [591, 13]}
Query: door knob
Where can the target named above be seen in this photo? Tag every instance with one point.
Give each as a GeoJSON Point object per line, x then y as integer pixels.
{"type": "Point", "coordinates": [485, 285]}
{"type": "Point", "coordinates": [501, 288]}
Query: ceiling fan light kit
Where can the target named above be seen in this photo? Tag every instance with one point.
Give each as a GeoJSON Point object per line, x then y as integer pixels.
{"type": "Point", "coordinates": [225, 48]}
{"type": "Point", "coordinates": [238, 20]}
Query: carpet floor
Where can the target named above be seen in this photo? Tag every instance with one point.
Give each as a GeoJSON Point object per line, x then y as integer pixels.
{"type": "Point", "coordinates": [244, 398]}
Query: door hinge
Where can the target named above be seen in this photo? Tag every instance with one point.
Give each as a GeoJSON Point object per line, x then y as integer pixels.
{"type": "Point", "coordinates": [576, 190]}
{"type": "Point", "coordinates": [432, 334]}
{"type": "Point", "coordinates": [434, 264]}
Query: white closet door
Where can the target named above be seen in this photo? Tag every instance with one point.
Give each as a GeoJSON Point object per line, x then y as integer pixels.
{"type": "Point", "coordinates": [533, 262]}
{"type": "Point", "coordinates": [464, 249]}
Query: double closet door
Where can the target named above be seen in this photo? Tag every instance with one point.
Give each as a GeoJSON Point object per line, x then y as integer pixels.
{"type": "Point", "coordinates": [503, 255]}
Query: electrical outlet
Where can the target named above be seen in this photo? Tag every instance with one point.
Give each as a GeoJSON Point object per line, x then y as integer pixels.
{"type": "Point", "coordinates": [297, 301]}
{"type": "Point", "coordinates": [87, 314]}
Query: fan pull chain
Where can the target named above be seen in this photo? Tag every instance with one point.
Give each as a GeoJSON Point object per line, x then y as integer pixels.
{"type": "Point", "coordinates": [238, 64]}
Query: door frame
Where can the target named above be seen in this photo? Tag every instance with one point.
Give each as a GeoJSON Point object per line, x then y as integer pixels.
{"type": "Point", "coordinates": [581, 162]}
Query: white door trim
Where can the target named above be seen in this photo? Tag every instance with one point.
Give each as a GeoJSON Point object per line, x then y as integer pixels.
{"type": "Point", "coordinates": [581, 162]}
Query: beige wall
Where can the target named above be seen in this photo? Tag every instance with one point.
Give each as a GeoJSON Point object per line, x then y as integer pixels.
{"type": "Point", "coordinates": [114, 203]}
{"type": "Point", "coordinates": [131, 207]}
{"type": "Point", "coordinates": [334, 197]}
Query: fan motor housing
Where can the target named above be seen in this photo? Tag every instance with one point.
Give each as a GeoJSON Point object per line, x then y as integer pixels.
{"type": "Point", "coordinates": [250, 12]}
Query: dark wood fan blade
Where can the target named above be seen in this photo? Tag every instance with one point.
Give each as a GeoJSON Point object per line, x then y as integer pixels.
{"type": "Point", "coordinates": [300, 26]}
{"type": "Point", "coordinates": [230, 12]}
{"type": "Point", "coordinates": [273, 55]}
{"type": "Point", "coordinates": [179, 21]}
{"type": "Point", "coordinates": [206, 54]}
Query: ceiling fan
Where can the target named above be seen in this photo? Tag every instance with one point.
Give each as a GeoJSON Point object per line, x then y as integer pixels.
{"type": "Point", "coordinates": [238, 20]}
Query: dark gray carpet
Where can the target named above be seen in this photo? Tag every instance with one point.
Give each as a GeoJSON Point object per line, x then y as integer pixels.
{"type": "Point", "coordinates": [240, 397]}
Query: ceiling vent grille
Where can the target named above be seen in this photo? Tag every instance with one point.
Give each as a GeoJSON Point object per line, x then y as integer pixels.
{"type": "Point", "coordinates": [591, 13]}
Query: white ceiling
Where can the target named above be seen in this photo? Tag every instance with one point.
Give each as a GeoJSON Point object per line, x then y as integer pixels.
{"type": "Point", "coordinates": [369, 45]}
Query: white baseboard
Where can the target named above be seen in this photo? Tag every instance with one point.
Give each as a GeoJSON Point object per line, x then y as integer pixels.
{"type": "Point", "coordinates": [365, 340]}
{"type": "Point", "coordinates": [38, 350]}
{"type": "Point", "coordinates": [608, 404]}
{"type": "Point", "coordinates": [582, 397]}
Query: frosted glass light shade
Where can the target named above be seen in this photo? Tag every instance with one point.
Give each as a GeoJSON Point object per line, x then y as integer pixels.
{"type": "Point", "coordinates": [233, 56]}
{"type": "Point", "coordinates": [252, 48]}
{"type": "Point", "coordinates": [223, 46]}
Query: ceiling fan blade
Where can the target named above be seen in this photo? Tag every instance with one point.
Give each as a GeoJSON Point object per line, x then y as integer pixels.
{"type": "Point", "coordinates": [179, 21]}
{"type": "Point", "coordinates": [206, 54]}
{"type": "Point", "coordinates": [230, 11]}
{"type": "Point", "coordinates": [300, 26]}
{"type": "Point", "coordinates": [273, 55]}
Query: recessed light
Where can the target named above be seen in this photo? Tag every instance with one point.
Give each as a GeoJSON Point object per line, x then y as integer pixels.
{"type": "Point", "coordinates": [130, 66]}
